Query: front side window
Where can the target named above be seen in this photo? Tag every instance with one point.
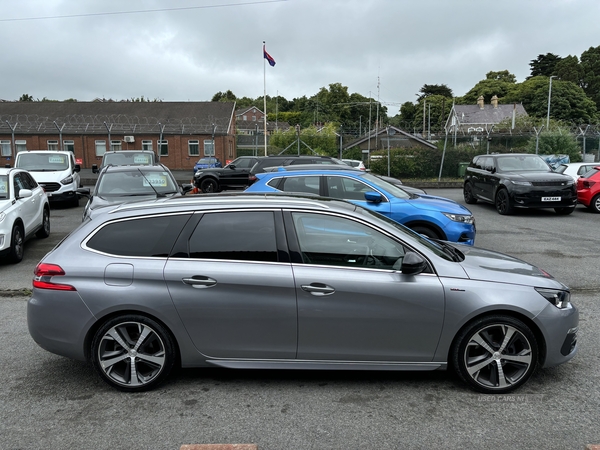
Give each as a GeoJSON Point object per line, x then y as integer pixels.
{"type": "Point", "coordinates": [52, 145]}
{"type": "Point", "coordinates": [146, 237]}
{"type": "Point", "coordinates": [115, 146]}
{"type": "Point", "coordinates": [69, 146]}
{"type": "Point", "coordinates": [5, 148]}
{"type": "Point", "coordinates": [337, 241]}
{"type": "Point", "coordinates": [244, 236]}
{"type": "Point", "coordinates": [193, 148]}
{"type": "Point", "coordinates": [100, 148]}
{"type": "Point", "coordinates": [163, 148]}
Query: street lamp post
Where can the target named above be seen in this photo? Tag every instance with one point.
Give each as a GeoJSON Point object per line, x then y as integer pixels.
{"type": "Point", "coordinates": [549, 96]}
{"type": "Point", "coordinates": [390, 132]}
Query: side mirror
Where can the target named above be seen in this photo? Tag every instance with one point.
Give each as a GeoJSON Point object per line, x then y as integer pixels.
{"type": "Point", "coordinates": [77, 168]}
{"type": "Point", "coordinates": [7, 166]}
{"type": "Point", "coordinates": [373, 197]}
{"type": "Point", "coordinates": [25, 193]}
{"type": "Point", "coordinates": [83, 192]}
{"type": "Point", "coordinates": [413, 264]}
{"type": "Point", "coordinates": [185, 188]}
{"type": "Point", "coordinates": [95, 168]}
{"type": "Point", "coordinates": [231, 166]}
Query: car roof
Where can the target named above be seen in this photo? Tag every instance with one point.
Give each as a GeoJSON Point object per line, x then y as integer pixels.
{"type": "Point", "coordinates": [128, 151]}
{"type": "Point", "coordinates": [297, 167]}
{"type": "Point", "coordinates": [135, 168]}
{"type": "Point", "coordinates": [319, 171]}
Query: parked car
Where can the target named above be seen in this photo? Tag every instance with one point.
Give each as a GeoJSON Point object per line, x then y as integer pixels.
{"type": "Point", "coordinates": [357, 164]}
{"type": "Point", "coordinates": [55, 171]}
{"type": "Point", "coordinates": [588, 189]}
{"type": "Point", "coordinates": [275, 281]}
{"type": "Point", "coordinates": [514, 180]}
{"type": "Point", "coordinates": [24, 212]}
{"type": "Point", "coordinates": [575, 170]}
{"type": "Point", "coordinates": [240, 174]}
{"type": "Point", "coordinates": [207, 163]}
{"type": "Point", "coordinates": [120, 184]}
{"type": "Point", "coordinates": [434, 217]}
{"type": "Point", "coordinates": [126, 158]}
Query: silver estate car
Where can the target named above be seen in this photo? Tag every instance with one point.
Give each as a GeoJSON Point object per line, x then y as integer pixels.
{"type": "Point", "coordinates": [256, 281]}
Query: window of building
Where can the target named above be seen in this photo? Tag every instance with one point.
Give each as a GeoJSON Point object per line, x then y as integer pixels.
{"type": "Point", "coordinates": [245, 117]}
{"type": "Point", "coordinates": [20, 146]}
{"type": "Point", "coordinates": [100, 148]}
{"type": "Point", "coordinates": [255, 241]}
{"type": "Point", "coordinates": [253, 118]}
{"type": "Point", "coordinates": [209, 148]}
{"type": "Point", "coordinates": [147, 145]}
{"type": "Point", "coordinates": [5, 148]}
{"type": "Point", "coordinates": [115, 146]}
{"type": "Point", "coordinates": [69, 146]}
{"type": "Point", "coordinates": [163, 148]}
{"type": "Point", "coordinates": [150, 237]}
{"type": "Point", "coordinates": [193, 148]}
{"type": "Point", "coordinates": [52, 145]}
{"type": "Point", "coordinates": [230, 150]}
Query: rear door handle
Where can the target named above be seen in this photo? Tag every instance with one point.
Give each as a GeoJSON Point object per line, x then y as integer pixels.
{"type": "Point", "coordinates": [318, 289]}
{"type": "Point", "coordinates": [199, 281]}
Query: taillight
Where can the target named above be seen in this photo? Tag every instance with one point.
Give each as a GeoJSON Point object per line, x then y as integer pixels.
{"type": "Point", "coordinates": [44, 276]}
{"type": "Point", "coordinates": [587, 184]}
{"type": "Point", "coordinates": [252, 178]}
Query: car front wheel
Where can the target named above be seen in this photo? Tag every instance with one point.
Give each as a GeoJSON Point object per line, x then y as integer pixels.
{"type": "Point", "coordinates": [133, 353]}
{"type": "Point", "coordinates": [468, 194]}
{"type": "Point", "coordinates": [208, 186]}
{"type": "Point", "coordinates": [495, 354]}
{"type": "Point", "coordinates": [503, 203]}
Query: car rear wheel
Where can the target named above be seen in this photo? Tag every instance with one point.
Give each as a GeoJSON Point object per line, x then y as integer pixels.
{"type": "Point", "coordinates": [468, 194]}
{"type": "Point", "coordinates": [595, 204]}
{"type": "Point", "coordinates": [133, 353]}
{"type": "Point", "coordinates": [17, 245]}
{"type": "Point", "coordinates": [44, 232]}
{"type": "Point", "coordinates": [503, 203]}
{"type": "Point", "coordinates": [209, 185]}
{"type": "Point", "coordinates": [495, 354]}
{"type": "Point", "coordinates": [427, 232]}
{"type": "Point", "coordinates": [564, 211]}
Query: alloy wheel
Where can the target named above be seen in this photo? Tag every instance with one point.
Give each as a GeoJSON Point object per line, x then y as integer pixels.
{"type": "Point", "coordinates": [503, 205]}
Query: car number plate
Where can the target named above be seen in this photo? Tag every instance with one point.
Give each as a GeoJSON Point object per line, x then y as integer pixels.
{"type": "Point", "coordinates": [551, 199]}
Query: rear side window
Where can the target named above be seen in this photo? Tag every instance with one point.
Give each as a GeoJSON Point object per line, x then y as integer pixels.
{"type": "Point", "coordinates": [146, 237]}
{"type": "Point", "coordinates": [240, 235]}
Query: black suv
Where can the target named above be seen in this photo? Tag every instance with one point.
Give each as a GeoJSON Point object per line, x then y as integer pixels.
{"type": "Point", "coordinates": [518, 180]}
{"type": "Point", "coordinates": [239, 174]}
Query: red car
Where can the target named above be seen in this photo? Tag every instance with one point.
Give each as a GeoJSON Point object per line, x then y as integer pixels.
{"type": "Point", "coordinates": [588, 189]}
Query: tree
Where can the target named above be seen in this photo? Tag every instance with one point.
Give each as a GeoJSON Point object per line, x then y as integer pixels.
{"type": "Point", "coordinates": [496, 83]}
{"type": "Point", "coordinates": [502, 75]}
{"type": "Point", "coordinates": [26, 98]}
{"type": "Point", "coordinates": [405, 119]}
{"type": "Point", "coordinates": [224, 97]}
{"type": "Point", "coordinates": [556, 142]}
{"type": "Point", "coordinates": [590, 66]}
{"type": "Point", "coordinates": [435, 89]}
{"type": "Point", "coordinates": [569, 69]}
{"type": "Point", "coordinates": [544, 65]}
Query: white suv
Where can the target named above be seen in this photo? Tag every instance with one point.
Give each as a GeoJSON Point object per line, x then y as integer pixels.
{"type": "Point", "coordinates": [24, 212]}
{"type": "Point", "coordinates": [55, 171]}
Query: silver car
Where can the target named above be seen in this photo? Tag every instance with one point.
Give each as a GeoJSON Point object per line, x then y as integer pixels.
{"type": "Point", "coordinates": [290, 282]}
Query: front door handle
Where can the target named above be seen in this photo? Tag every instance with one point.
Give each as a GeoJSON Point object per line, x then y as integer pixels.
{"type": "Point", "coordinates": [318, 289]}
{"type": "Point", "coordinates": [199, 281]}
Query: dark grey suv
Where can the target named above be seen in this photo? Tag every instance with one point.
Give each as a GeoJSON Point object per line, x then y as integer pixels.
{"type": "Point", "coordinates": [290, 282]}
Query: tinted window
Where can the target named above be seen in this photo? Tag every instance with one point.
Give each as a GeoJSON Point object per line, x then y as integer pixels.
{"type": "Point", "coordinates": [336, 241]}
{"type": "Point", "coordinates": [152, 236]}
{"type": "Point", "coordinates": [28, 179]}
{"type": "Point", "coordinates": [306, 184]}
{"type": "Point", "coordinates": [244, 163]}
{"type": "Point", "coordinates": [246, 236]}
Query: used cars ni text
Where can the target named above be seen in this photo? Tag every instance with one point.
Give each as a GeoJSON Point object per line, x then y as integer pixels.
{"type": "Point", "coordinates": [434, 217]}
{"type": "Point", "coordinates": [289, 282]}
{"type": "Point", "coordinates": [24, 212]}
{"type": "Point", "coordinates": [518, 180]}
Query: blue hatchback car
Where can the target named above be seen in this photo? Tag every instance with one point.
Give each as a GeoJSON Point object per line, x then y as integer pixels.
{"type": "Point", "coordinates": [432, 216]}
{"type": "Point", "coordinates": [207, 163]}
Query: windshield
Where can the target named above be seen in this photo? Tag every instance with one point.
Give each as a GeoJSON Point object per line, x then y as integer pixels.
{"type": "Point", "coordinates": [126, 184]}
{"type": "Point", "coordinates": [3, 187]}
{"type": "Point", "coordinates": [42, 161]}
{"type": "Point", "coordinates": [388, 187]}
{"type": "Point", "coordinates": [526, 163]}
{"type": "Point", "coordinates": [124, 159]}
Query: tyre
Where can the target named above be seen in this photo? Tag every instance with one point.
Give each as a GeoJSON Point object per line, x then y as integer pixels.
{"type": "Point", "coordinates": [495, 354]}
{"type": "Point", "coordinates": [564, 211]}
{"type": "Point", "coordinates": [44, 232]}
{"type": "Point", "coordinates": [468, 194]}
{"type": "Point", "coordinates": [133, 353]}
{"type": "Point", "coordinates": [75, 201]}
{"type": "Point", "coordinates": [595, 204]}
{"type": "Point", "coordinates": [209, 185]}
{"type": "Point", "coordinates": [427, 232]}
{"type": "Point", "coordinates": [503, 203]}
{"type": "Point", "coordinates": [17, 244]}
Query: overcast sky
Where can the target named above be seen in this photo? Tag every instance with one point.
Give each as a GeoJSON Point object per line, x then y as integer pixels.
{"type": "Point", "coordinates": [180, 50]}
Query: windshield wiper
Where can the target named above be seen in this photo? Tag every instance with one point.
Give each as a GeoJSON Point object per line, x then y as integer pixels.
{"type": "Point", "coordinates": [450, 250]}
{"type": "Point", "coordinates": [153, 188]}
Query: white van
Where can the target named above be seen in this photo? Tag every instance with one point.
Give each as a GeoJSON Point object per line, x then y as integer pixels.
{"type": "Point", "coordinates": [55, 171]}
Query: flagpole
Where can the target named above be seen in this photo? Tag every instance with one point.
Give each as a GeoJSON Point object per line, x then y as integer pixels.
{"type": "Point", "coordinates": [265, 97]}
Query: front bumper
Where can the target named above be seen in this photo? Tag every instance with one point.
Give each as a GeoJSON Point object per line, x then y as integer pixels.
{"type": "Point", "coordinates": [531, 196]}
{"type": "Point", "coordinates": [560, 328]}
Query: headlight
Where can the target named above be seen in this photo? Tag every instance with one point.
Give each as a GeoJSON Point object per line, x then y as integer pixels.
{"type": "Point", "coordinates": [560, 299]}
{"type": "Point", "coordinates": [521, 183]}
{"type": "Point", "coordinates": [463, 218]}
{"type": "Point", "coordinates": [67, 180]}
